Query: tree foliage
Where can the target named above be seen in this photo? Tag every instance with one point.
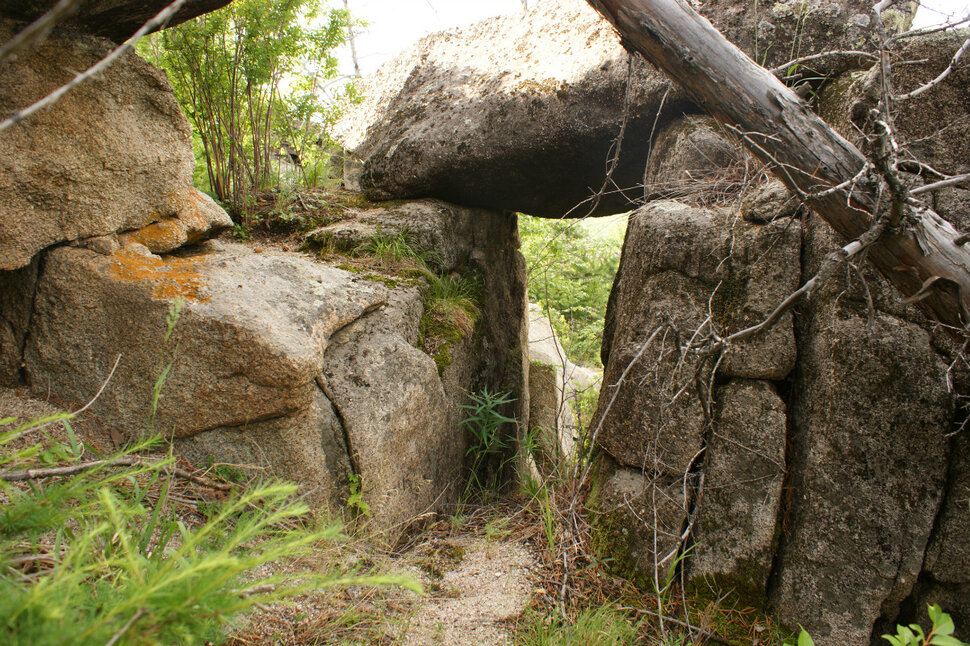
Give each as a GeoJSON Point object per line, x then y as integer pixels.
{"type": "Point", "coordinates": [247, 77]}
{"type": "Point", "coordinates": [570, 276]}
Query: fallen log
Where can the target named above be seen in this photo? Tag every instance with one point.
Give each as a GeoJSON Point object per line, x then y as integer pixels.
{"type": "Point", "coordinates": [921, 254]}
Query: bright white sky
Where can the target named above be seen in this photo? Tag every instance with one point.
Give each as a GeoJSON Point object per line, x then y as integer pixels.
{"type": "Point", "coordinates": [395, 24]}
{"type": "Point", "coordinates": [392, 25]}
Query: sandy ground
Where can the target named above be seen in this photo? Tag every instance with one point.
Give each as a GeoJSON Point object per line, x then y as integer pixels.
{"type": "Point", "coordinates": [487, 587]}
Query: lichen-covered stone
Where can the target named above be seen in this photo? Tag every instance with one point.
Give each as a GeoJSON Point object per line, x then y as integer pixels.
{"type": "Point", "coordinates": [677, 260]}
{"type": "Point", "coordinates": [197, 218]}
{"type": "Point", "coordinates": [738, 509]}
{"type": "Point", "coordinates": [249, 341]}
{"type": "Point", "coordinates": [114, 154]}
{"type": "Point", "coordinates": [637, 521]}
{"type": "Point", "coordinates": [870, 409]}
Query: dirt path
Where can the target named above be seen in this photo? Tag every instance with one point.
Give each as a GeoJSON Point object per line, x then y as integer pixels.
{"type": "Point", "coordinates": [471, 602]}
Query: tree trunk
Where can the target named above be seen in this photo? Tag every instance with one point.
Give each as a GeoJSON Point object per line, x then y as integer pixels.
{"type": "Point", "coordinates": [778, 127]}
{"type": "Point", "coordinates": [351, 40]}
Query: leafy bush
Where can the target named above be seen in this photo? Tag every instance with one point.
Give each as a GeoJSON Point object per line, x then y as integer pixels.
{"type": "Point", "coordinates": [571, 274]}
{"type": "Point", "coordinates": [248, 77]}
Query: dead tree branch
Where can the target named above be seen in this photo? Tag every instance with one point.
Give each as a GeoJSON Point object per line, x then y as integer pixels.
{"type": "Point", "coordinates": [740, 93]}
{"type": "Point", "coordinates": [22, 475]}
{"type": "Point", "coordinates": [939, 79]}
{"type": "Point", "coordinates": [161, 18]}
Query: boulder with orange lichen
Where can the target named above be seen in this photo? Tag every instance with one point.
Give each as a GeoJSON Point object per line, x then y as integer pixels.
{"type": "Point", "coordinates": [277, 361]}
{"type": "Point", "coordinates": [113, 155]}
{"type": "Point", "coordinates": [248, 346]}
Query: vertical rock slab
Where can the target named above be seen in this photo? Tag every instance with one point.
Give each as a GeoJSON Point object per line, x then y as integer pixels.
{"type": "Point", "coordinates": [638, 520]}
{"type": "Point", "coordinates": [870, 409]}
{"type": "Point", "coordinates": [681, 265]}
{"type": "Point", "coordinates": [737, 511]}
{"type": "Point", "coordinates": [946, 577]}
{"type": "Point", "coordinates": [405, 442]}
{"type": "Point", "coordinates": [16, 300]}
{"type": "Point", "coordinates": [555, 385]}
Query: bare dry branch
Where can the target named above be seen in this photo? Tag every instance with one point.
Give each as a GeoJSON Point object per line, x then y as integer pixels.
{"type": "Point", "coordinates": [22, 475]}
{"type": "Point", "coordinates": [950, 181]}
{"type": "Point", "coordinates": [847, 58]}
{"type": "Point", "coordinates": [939, 79]}
{"type": "Point", "coordinates": [37, 31]}
{"type": "Point", "coordinates": [161, 18]}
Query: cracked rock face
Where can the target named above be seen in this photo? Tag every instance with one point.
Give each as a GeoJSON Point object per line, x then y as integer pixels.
{"type": "Point", "coordinates": [798, 468]}
{"type": "Point", "coordinates": [675, 257]}
{"type": "Point", "coordinates": [870, 409]}
{"type": "Point", "coordinates": [250, 339]}
{"type": "Point", "coordinates": [113, 155]}
{"type": "Point", "coordinates": [309, 372]}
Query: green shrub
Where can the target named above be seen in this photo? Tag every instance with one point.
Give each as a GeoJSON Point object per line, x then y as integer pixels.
{"type": "Point", "coordinates": [570, 276]}
{"type": "Point", "coordinates": [95, 553]}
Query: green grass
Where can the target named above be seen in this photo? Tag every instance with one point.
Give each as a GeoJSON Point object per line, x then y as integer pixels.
{"type": "Point", "coordinates": [602, 626]}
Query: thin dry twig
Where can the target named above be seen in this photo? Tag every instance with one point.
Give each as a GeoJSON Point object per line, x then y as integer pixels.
{"type": "Point", "coordinates": [21, 475]}
{"type": "Point", "coordinates": [131, 622]}
{"type": "Point", "coordinates": [37, 31]}
{"type": "Point", "coordinates": [161, 18]}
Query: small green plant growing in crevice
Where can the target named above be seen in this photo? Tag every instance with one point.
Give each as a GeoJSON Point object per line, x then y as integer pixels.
{"type": "Point", "coordinates": [450, 315]}
{"type": "Point", "coordinates": [941, 633]}
{"type": "Point", "coordinates": [392, 249]}
{"type": "Point", "coordinates": [490, 449]}
{"type": "Point", "coordinates": [169, 353]}
{"type": "Point", "coordinates": [355, 501]}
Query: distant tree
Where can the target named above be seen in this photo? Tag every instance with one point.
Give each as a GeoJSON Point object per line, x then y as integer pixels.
{"type": "Point", "coordinates": [247, 77]}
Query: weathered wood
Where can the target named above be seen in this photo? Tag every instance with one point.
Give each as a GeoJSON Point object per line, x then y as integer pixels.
{"type": "Point", "coordinates": [113, 19]}
{"type": "Point", "coordinates": [810, 157]}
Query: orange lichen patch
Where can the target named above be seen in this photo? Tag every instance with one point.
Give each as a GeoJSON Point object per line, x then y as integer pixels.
{"type": "Point", "coordinates": [162, 236]}
{"type": "Point", "coordinates": [169, 278]}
